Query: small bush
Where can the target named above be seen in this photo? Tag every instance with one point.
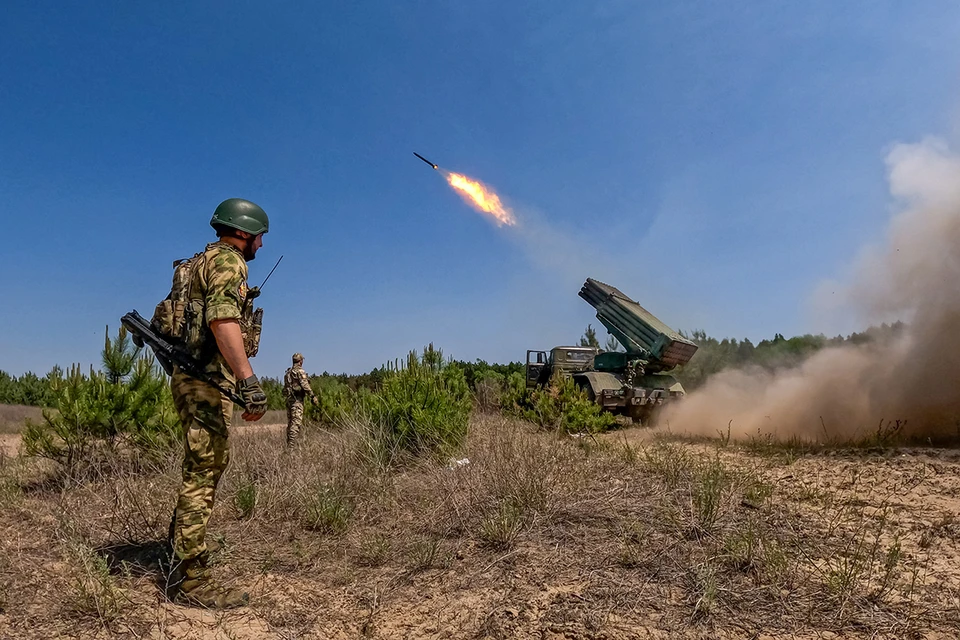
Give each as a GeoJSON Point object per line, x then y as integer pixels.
{"type": "Point", "coordinates": [710, 488]}
{"type": "Point", "coordinates": [423, 406]}
{"type": "Point", "coordinates": [327, 509]}
{"type": "Point", "coordinates": [561, 406]}
{"type": "Point", "coordinates": [137, 510]}
{"type": "Point", "coordinates": [515, 397]}
{"type": "Point", "coordinates": [373, 551]}
{"type": "Point", "coordinates": [748, 550]}
{"type": "Point", "coordinates": [245, 498]}
{"type": "Point", "coordinates": [376, 447]}
{"type": "Point", "coordinates": [705, 590]}
{"type": "Point", "coordinates": [859, 555]}
{"type": "Point", "coordinates": [669, 461]}
{"type": "Point", "coordinates": [742, 547]}
{"type": "Point", "coordinates": [633, 547]}
{"type": "Point", "coordinates": [424, 554]}
{"type": "Point", "coordinates": [129, 401]}
{"type": "Point", "coordinates": [337, 400]}
{"type": "Point", "coordinates": [891, 569]}
{"type": "Point", "coordinates": [500, 527]}
{"type": "Point", "coordinates": [94, 591]}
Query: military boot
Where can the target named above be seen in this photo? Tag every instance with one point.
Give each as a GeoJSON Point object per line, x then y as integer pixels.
{"type": "Point", "coordinates": [190, 583]}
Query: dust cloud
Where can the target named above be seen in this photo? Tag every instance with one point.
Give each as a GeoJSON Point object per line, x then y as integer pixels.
{"type": "Point", "coordinates": [853, 391]}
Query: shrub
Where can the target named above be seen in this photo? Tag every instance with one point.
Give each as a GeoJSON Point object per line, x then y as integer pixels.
{"type": "Point", "coordinates": [274, 390]}
{"type": "Point", "coordinates": [515, 397]}
{"type": "Point", "coordinates": [423, 406]}
{"type": "Point", "coordinates": [710, 488]}
{"type": "Point", "coordinates": [561, 405]}
{"type": "Point", "coordinates": [128, 402]}
{"type": "Point", "coordinates": [337, 400]}
{"type": "Point", "coordinates": [245, 498]}
{"type": "Point", "coordinates": [377, 447]}
{"type": "Point", "coordinates": [327, 509]}
{"type": "Point", "coordinates": [94, 591]}
{"type": "Point", "coordinates": [424, 554]}
{"type": "Point", "coordinates": [374, 551]}
{"type": "Point", "coordinates": [500, 527]}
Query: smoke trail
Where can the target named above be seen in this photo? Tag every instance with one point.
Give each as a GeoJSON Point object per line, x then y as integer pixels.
{"type": "Point", "coordinates": [914, 377]}
{"type": "Point", "coordinates": [561, 252]}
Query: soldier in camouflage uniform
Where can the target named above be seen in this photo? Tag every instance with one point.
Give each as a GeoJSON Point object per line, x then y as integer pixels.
{"type": "Point", "coordinates": [216, 289]}
{"type": "Point", "coordinates": [296, 387]}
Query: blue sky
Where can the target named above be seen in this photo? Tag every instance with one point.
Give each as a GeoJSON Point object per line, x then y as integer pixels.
{"type": "Point", "coordinates": [715, 161]}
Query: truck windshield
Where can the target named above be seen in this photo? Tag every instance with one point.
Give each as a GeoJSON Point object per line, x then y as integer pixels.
{"type": "Point", "coordinates": [579, 356]}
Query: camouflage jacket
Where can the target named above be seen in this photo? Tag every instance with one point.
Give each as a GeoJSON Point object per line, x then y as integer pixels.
{"type": "Point", "coordinates": [296, 383]}
{"type": "Point", "coordinates": [212, 285]}
{"type": "Point", "coordinates": [221, 282]}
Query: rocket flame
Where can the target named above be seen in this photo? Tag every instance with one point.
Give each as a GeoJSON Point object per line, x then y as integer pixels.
{"type": "Point", "coordinates": [481, 198]}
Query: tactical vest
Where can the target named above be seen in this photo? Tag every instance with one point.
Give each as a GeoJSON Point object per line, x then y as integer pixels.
{"type": "Point", "coordinates": [292, 384]}
{"type": "Point", "coordinates": [180, 318]}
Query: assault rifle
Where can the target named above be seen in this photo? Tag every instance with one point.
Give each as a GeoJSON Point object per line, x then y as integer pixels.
{"type": "Point", "coordinates": [170, 355]}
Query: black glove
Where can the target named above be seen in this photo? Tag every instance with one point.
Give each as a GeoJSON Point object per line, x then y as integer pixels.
{"type": "Point", "coordinates": [253, 397]}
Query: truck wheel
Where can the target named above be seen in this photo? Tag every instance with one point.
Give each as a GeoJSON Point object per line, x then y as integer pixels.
{"type": "Point", "coordinates": [586, 388]}
{"type": "Point", "coordinates": [640, 415]}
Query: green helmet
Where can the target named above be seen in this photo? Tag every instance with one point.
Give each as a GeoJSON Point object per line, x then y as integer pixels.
{"type": "Point", "coordinates": [241, 214]}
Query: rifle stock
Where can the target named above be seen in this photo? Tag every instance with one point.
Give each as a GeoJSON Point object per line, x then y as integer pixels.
{"type": "Point", "coordinates": [170, 355]}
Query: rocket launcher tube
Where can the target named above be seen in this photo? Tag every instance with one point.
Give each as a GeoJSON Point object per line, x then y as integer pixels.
{"type": "Point", "coordinates": [641, 333]}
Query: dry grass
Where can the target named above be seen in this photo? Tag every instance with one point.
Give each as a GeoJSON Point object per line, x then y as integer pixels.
{"type": "Point", "coordinates": [535, 537]}
{"type": "Point", "coordinates": [274, 416]}
{"type": "Point", "coordinates": [13, 417]}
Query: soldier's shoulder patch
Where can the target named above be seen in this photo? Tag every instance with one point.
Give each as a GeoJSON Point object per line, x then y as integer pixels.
{"type": "Point", "coordinates": [243, 290]}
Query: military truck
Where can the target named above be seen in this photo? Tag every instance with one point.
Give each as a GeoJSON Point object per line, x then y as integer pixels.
{"type": "Point", "coordinates": [634, 382]}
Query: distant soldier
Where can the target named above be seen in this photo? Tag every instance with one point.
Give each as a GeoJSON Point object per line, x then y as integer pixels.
{"type": "Point", "coordinates": [210, 313]}
{"type": "Point", "coordinates": [296, 387]}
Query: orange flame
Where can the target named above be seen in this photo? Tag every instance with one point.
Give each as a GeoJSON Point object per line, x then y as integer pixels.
{"type": "Point", "coordinates": [482, 198]}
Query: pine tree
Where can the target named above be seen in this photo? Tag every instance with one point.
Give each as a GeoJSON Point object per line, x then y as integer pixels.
{"type": "Point", "coordinates": [118, 356]}
{"type": "Point", "coordinates": [589, 338]}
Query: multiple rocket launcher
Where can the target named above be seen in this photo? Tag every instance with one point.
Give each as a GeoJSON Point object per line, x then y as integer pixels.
{"type": "Point", "coordinates": [640, 332]}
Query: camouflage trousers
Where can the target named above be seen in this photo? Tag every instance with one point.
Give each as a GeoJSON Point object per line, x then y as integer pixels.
{"type": "Point", "coordinates": [206, 416]}
{"type": "Point", "coordinates": [294, 419]}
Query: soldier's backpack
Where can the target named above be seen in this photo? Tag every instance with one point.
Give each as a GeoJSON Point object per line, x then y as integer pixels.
{"type": "Point", "coordinates": [292, 384]}
{"type": "Point", "coordinates": [177, 317]}
{"type": "Point", "coordinates": [181, 319]}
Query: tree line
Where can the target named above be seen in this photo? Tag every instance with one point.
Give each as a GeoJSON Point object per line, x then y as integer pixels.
{"type": "Point", "coordinates": [712, 357]}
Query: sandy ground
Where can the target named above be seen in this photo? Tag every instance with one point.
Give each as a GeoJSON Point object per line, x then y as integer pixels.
{"type": "Point", "coordinates": [535, 590]}
{"type": "Point", "coordinates": [9, 444]}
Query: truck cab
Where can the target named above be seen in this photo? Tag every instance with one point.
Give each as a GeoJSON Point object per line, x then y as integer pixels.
{"type": "Point", "coordinates": [541, 365]}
